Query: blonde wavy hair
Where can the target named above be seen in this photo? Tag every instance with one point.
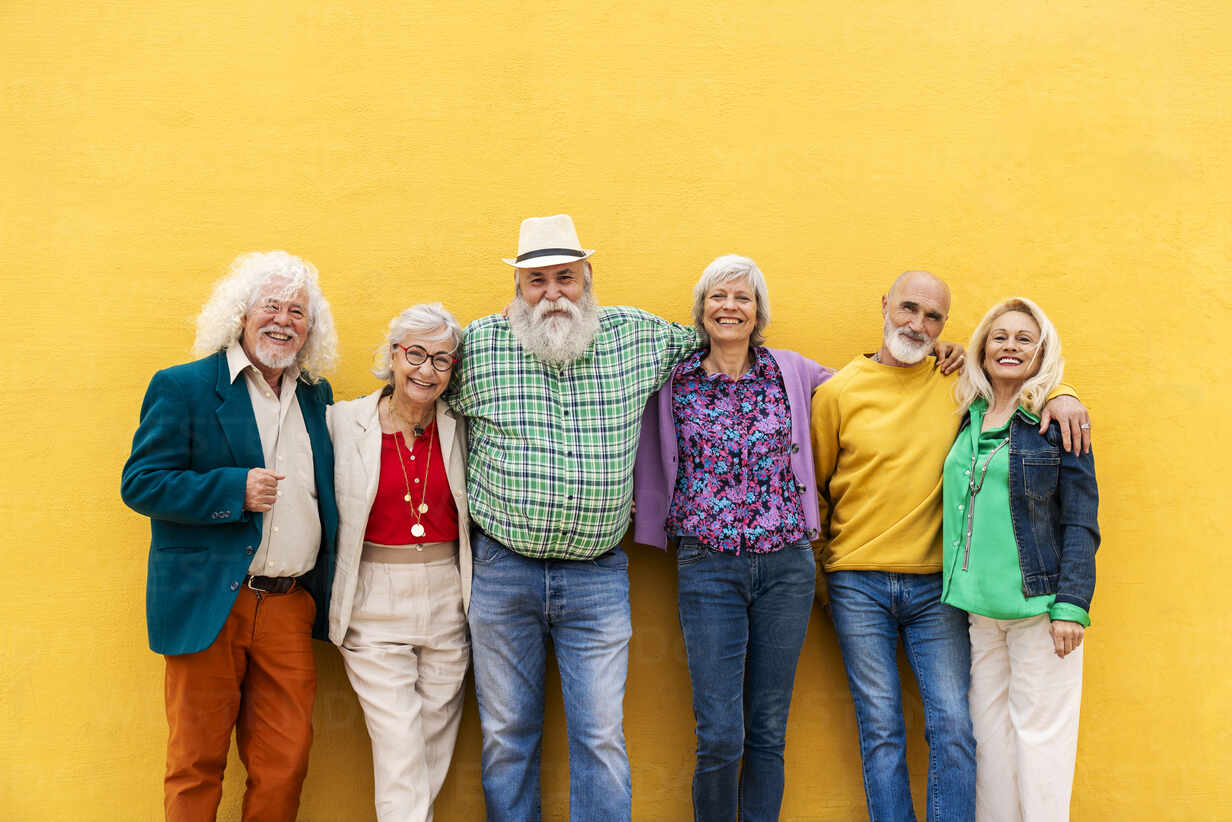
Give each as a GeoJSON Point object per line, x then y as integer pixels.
{"type": "Point", "coordinates": [974, 384]}
{"type": "Point", "coordinates": [250, 277]}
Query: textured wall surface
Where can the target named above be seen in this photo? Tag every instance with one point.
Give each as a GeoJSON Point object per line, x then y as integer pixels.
{"type": "Point", "coordinates": [1076, 153]}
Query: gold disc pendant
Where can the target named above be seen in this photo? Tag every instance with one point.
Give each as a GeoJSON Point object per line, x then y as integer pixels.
{"type": "Point", "coordinates": [406, 497]}
{"type": "Point", "coordinates": [417, 530]}
{"type": "Point", "coordinates": [423, 507]}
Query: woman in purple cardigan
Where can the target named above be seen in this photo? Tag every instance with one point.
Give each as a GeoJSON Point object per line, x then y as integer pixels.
{"type": "Point", "coordinates": [724, 469]}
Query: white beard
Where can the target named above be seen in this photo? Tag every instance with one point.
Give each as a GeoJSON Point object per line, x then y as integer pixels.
{"type": "Point", "coordinates": [903, 346]}
{"type": "Point", "coordinates": [270, 357]}
{"type": "Point", "coordinates": [552, 337]}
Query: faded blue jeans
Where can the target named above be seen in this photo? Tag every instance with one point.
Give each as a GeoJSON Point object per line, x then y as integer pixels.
{"type": "Point", "coordinates": [517, 605]}
{"type": "Point", "coordinates": [744, 618]}
{"type": "Point", "coordinates": [871, 611]}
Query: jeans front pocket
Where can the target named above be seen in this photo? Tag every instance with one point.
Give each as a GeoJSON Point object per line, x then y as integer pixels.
{"type": "Point", "coordinates": [689, 550]}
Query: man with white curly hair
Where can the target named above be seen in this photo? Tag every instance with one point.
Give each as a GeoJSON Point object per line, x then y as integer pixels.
{"type": "Point", "coordinates": [233, 465]}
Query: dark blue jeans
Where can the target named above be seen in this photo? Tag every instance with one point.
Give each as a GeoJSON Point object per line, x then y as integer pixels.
{"type": "Point", "coordinates": [744, 619]}
{"type": "Point", "coordinates": [871, 611]}
{"type": "Point", "coordinates": [517, 605]}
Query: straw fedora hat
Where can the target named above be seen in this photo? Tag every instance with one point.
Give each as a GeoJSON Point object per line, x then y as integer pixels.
{"type": "Point", "coordinates": [545, 241]}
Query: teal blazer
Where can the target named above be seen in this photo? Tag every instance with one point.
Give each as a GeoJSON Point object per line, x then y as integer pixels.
{"type": "Point", "coordinates": [195, 443]}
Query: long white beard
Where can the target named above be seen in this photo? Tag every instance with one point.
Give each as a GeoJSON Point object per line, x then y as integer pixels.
{"type": "Point", "coordinates": [903, 345]}
{"type": "Point", "coordinates": [553, 337]}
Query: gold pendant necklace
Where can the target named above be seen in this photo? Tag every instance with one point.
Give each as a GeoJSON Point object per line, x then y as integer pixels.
{"type": "Point", "coordinates": [417, 528]}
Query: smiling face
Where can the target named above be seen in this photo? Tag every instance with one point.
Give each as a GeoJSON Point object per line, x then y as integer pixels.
{"type": "Point", "coordinates": [420, 385]}
{"type": "Point", "coordinates": [275, 327]}
{"type": "Point", "coordinates": [1011, 349]}
{"type": "Point", "coordinates": [915, 312]}
{"type": "Point", "coordinates": [729, 314]}
{"type": "Point", "coordinates": [552, 283]}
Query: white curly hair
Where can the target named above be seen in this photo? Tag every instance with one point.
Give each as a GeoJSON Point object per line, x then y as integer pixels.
{"type": "Point", "coordinates": [222, 317]}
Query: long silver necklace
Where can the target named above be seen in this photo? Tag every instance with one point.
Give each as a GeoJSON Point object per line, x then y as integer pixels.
{"type": "Point", "coordinates": [974, 486]}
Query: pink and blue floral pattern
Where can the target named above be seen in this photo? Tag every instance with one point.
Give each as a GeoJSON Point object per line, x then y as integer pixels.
{"type": "Point", "coordinates": [734, 488]}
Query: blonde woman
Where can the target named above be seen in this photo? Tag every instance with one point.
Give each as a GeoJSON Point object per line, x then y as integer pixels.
{"type": "Point", "coordinates": [1019, 556]}
{"type": "Point", "coordinates": [403, 578]}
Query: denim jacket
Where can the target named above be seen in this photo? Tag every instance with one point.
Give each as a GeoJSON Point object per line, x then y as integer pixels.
{"type": "Point", "coordinates": [1053, 506]}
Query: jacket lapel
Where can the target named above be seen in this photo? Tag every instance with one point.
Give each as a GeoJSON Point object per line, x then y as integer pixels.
{"type": "Point", "coordinates": [322, 456]}
{"type": "Point", "coordinates": [455, 471]}
{"type": "Point", "coordinates": [368, 444]}
{"type": "Point", "coordinates": [236, 418]}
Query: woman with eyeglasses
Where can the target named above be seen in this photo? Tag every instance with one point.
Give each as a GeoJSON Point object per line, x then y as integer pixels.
{"type": "Point", "coordinates": [1020, 535]}
{"type": "Point", "coordinates": [402, 582]}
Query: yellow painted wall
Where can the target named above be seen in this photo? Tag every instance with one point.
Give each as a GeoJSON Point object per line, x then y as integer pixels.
{"type": "Point", "coordinates": [1075, 152]}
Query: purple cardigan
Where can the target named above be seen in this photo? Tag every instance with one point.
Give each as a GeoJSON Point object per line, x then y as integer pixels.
{"type": "Point", "coordinates": [654, 473]}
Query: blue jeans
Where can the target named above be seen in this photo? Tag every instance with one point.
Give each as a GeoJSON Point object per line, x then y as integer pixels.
{"type": "Point", "coordinates": [871, 610]}
{"type": "Point", "coordinates": [517, 605]}
{"type": "Point", "coordinates": [744, 619]}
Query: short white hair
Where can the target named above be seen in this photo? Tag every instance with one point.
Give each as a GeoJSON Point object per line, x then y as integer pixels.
{"type": "Point", "coordinates": [725, 269]}
{"type": "Point", "coordinates": [423, 318]}
{"type": "Point", "coordinates": [974, 383]}
{"type": "Point", "coordinates": [221, 320]}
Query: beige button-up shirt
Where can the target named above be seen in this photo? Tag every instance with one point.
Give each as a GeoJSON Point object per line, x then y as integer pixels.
{"type": "Point", "coordinates": [291, 530]}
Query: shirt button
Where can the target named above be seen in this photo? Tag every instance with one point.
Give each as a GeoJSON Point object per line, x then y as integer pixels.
{"type": "Point", "coordinates": [960, 506]}
{"type": "Point", "coordinates": [234, 585]}
{"type": "Point", "coordinates": [276, 527]}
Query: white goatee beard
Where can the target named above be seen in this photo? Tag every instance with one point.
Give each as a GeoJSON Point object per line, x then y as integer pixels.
{"type": "Point", "coordinates": [903, 348]}
{"type": "Point", "coordinates": [557, 339]}
{"type": "Point", "coordinates": [274, 359]}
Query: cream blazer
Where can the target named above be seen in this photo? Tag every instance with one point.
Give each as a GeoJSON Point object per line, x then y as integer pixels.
{"type": "Point", "coordinates": [355, 429]}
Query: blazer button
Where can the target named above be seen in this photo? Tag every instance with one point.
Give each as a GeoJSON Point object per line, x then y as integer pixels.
{"type": "Point", "coordinates": [234, 585]}
{"type": "Point", "coordinates": [249, 551]}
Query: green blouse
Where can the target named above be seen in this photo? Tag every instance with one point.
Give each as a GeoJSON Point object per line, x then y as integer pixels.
{"type": "Point", "coordinates": [981, 574]}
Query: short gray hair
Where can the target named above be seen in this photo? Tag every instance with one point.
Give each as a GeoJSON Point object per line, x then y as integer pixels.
{"type": "Point", "coordinates": [725, 269]}
{"type": "Point", "coordinates": [418, 319]}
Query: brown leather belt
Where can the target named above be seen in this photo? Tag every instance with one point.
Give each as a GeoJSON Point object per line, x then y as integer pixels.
{"type": "Point", "coordinates": [272, 585]}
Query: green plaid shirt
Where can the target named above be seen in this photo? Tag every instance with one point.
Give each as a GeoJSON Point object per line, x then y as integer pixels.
{"type": "Point", "coordinates": [550, 472]}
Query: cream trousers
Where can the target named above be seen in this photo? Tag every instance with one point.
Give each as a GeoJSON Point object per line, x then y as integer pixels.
{"type": "Point", "coordinates": [406, 652]}
{"type": "Point", "coordinates": [1024, 710]}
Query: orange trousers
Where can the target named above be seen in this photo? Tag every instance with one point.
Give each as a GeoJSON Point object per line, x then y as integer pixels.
{"type": "Point", "coordinates": [258, 677]}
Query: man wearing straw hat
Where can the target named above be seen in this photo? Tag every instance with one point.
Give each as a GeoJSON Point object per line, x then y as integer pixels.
{"type": "Point", "coordinates": [554, 394]}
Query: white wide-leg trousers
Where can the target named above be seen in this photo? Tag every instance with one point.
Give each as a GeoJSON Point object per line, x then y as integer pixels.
{"type": "Point", "coordinates": [1024, 710]}
{"type": "Point", "coordinates": [406, 652]}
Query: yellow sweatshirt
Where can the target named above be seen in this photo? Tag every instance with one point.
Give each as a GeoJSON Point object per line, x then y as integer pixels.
{"type": "Point", "coordinates": [880, 437]}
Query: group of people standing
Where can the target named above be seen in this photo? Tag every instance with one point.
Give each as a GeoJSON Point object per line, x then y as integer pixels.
{"type": "Point", "coordinates": [472, 508]}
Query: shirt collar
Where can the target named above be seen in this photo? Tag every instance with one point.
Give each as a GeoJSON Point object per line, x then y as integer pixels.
{"type": "Point", "coordinates": [237, 361]}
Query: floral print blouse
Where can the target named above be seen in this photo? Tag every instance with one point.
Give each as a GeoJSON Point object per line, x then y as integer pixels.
{"type": "Point", "coordinates": [734, 488]}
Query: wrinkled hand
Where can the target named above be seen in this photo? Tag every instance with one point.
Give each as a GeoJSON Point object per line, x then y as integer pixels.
{"type": "Point", "coordinates": [261, 490]}
{"type": "Point", "coordinates": [1074, 420]}
{"type": "Point", "coordinates": [950, 356]}
{"type": "Point", "coordinates": [1066, 636]}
